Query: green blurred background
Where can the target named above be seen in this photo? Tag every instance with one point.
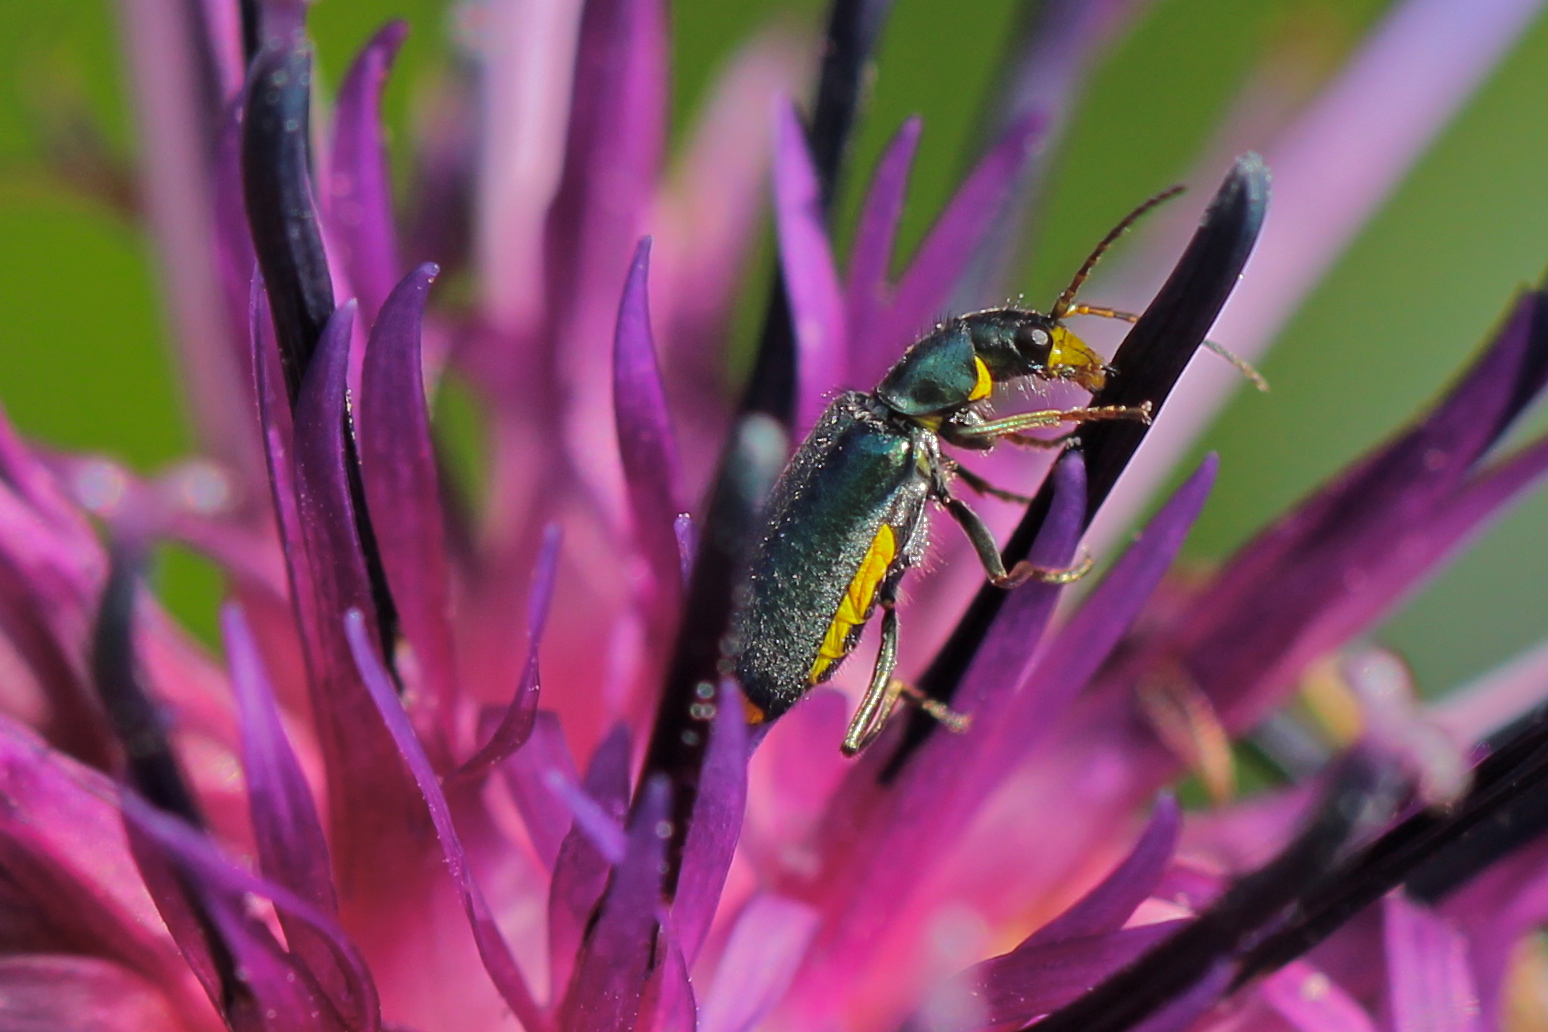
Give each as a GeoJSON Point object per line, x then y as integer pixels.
{"type": "Point", "coordinates": [83, 365]}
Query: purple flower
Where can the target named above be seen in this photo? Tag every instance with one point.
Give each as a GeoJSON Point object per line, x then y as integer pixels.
{"type": "Point", "coordinates": [473, 758]}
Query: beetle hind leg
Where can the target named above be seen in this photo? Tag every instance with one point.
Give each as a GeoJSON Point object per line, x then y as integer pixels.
{"type": "Point", "coordinates": [884, 691]}
{"type": "Point", "coordinates": [989, 553]}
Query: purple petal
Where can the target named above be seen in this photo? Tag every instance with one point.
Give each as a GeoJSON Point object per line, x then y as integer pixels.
{"type": "Point", "coordinates": [645, 441]}
{"type": "Point", "coordinates": [1312, 1002]}
{"type": "Point", "coordinates": [546, 817]}
{"type": "Point", "coordinates": [669, 1004]}
{"type": "Point", "coordinates": [63, 993]}
{"type": "Point", "coordinates": [760, 959]}
{"type": "Point", "coordinates": [866, 287]}
{"type": "Point", "coordinates": [1429, 986]}
{"type": "Point", "coordinates": [949, 248]}
{"type": "Point", "coordinates": [359, 183]}
{"type": "Point", "coordinates": [492, 947]}
{"type": "Point", "coordinates": [687, 544]}
{"type": "Point", "coordinates": [221, 888]}
{"type": "Point", "coordinates": [615, 958]}
{"type": "Point", "coordinates": [1084, 644]}
{"type": "Point", "coordinates": [594, 824]}
{"type": "Point", "coordinates": [403, 488]}
{"type": "Point", "coordinates": [371, 798]}
{"type": "Point", "coordinates": [1343, 556]}
{"type": "Point", "coordinates": [1486, 705]}
{"type": "Point", "coordinates": [580, 871]}
{"type": "Point", "coordinates": [811, 279]}
{"type": "Point", "coordinates": [1107, 906]}
{"type": "Point", "coordinates": [292, 850]}
{"type": "Point", "coordinates": [520, 717]}
{"type": "Point", "coordinates": [1033, 980]}
{"type": "Point", "coordinates": [714, 825]}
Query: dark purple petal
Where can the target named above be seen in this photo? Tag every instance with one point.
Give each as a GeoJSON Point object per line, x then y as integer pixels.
{"type": "Point", "coordinates": [866, 287]}
{"type": "Point", "coordinates": [359, 181]}
{"type": "Point", "coordinates": [687, 544]}
{"type": "Point", "coordinates": [811, 279]}
{"type": "Point", "coordinates": [292, 851]}
{"type": "Point", "coordinates": [403, 488]}
{"type": "Point", "coordinates": [949, 248]}
{"type": "Point", "coordinates": [1312, 1002]}
{"type": "Point", "coordinates": [372, 800]}
{"type": "Point", "coordinates": [1183, 1011]}
{"type": "Point", "coordinates": [276, 181]}
{"type": "Point", "coordinates": [614, 961]}
{"type": "Point", "coordinates": [1033, 980]}
{"type": "Point", "coordinates": [759, 960]}
{"type": "Point", "coordinates": [645, 441]}
{"type": "Point", "coordinates": [1083, 645]}
{"type": "Point", "coordinates": [546, 817]}
{"type": "Point", "coordinates": [520, 717]}
{"type": "Point", "coordinates": [1429, 985]}
{"type": "Point", "coordinates": [714, 825]}
{"type": "Point", "coordinates": [580, 871]}
{"type": "Point", "coordinates": [1107, 906]}
{"type": "Point", "coordinates": [492, 947]}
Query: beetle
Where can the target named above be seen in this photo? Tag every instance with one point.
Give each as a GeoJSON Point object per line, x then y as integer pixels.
{"type": "Point", "coordinates": [848, 517]}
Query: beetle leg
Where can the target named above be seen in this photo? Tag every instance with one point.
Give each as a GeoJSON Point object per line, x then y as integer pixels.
{"type": "Point", "coordinates": [881, 695]}
{"type": "Point", "coordinates": [1053, 417]}
{"type": "Point", "coordinates": [989, 553]}
{"type": "Point", "coordinates": [983, 487]}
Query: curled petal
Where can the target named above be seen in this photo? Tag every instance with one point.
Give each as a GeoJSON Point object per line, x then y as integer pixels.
{"type": "Point", "coordinates": [546, 817]}
{"type": "Point", "coordinates": [360, 188]}
{"type": "Point", "coordinates": [1312, 1002]}
{"type": "Point", "coordinates": [866, 287]}
{"type": "Point", "coordinates": [714, 825]}
{"type": "Point", "coordinates": [1429, 985]}
{"type": "Point", "coordinates": [760, 959]}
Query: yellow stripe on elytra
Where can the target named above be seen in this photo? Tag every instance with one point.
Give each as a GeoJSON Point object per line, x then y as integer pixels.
{"type": "Point", "coordinates": [985, 383]}
{"type": "Point", "coordinates": [856, 602]}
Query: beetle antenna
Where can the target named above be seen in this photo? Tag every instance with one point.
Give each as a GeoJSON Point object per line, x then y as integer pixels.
{"type": "Point", "coordinates": [1062, 305]}
{"type": "Point", "coordinates": [1242, 365]}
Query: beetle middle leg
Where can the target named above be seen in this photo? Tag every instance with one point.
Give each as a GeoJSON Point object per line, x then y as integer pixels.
{"type": "Point", "coordinates": [989, 553]}
{"type": "Point", "coordinates": [981, 486]}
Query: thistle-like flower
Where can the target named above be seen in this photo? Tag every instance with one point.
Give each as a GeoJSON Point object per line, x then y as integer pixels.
{"type": "Point", "coordinates": [475, 757]}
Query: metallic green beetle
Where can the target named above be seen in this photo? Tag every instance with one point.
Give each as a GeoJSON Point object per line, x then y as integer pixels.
{"type": "Point", "coordinates": [847, 518]}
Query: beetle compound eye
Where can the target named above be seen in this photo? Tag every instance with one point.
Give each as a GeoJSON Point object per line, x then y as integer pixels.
{"type": "Point", "coordinates": [1033, 343]}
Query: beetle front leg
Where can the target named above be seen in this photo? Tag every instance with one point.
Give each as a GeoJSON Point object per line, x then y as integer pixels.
{"type": "Point", "coordinates": [989, 553]}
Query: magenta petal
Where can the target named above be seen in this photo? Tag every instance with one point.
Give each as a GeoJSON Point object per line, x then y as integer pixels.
{"type": "Point", "coordinates": [402, 487]}
{"type": "Point", "coordinates": [760, 959]}
{"type": "Point", "coordinates": [811, 279]}
{"type": "Point", "coordinates": [714, 825]}
{"type": "Point", "coordinates": [359, 184]}
{"type": "Point", "coordinates": [546, 817]}
{"type": "Point", "coordinates": [65, 993]}
{"type": "Point", "coordinates": [866, 290]}
{"type": "Point", "coordinates": [645, 441]}
{"type": "Point", "coordinates": [492, 947]}
{"type": "Point", "coordinates": [1033, 980]}
{"type": "Point", "coordinates": [580, 871]}
{"type": "Point", "coordinates": [291, 848]}
{"type": "Point", "coordinates": [516, 726]}
{"type": "Point", "coordinates": [1429, 985]}
{"type": "Point", "coordinates": [1107, 906]}
{"type": "Point", "coordinates": [615, 958]}
{"type": "Point", "coordinates": [1312, 1002]}
{"type": "Point", "coordinates": [948, 250]}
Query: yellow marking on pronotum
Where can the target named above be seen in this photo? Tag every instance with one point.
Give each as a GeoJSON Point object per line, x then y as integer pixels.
{"type": "Point", "coordinates": [856, 602]}
{"type": "Point", "coordinates": [985, 384]}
